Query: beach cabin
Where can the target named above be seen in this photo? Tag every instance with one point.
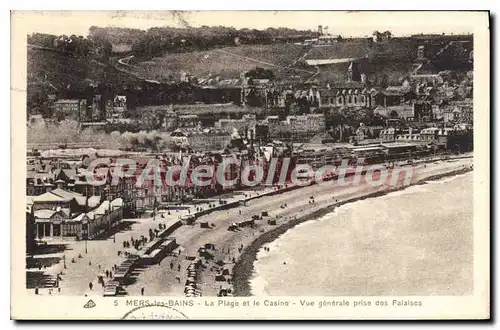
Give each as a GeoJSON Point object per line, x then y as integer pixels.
{"type": "Point", "coordinates": [247, 223]}
{"type": "Point", "coordinates": [232, 227]}
{"type": "Point", "coordinates": [169, 245]}
{"type": "Point", "coordinates": [122, 275]}
{"type": "Point", "coordinates": [112, 289]}
{"type": "Point", "coordinates": [204, 253]}
{"type": "Point", "coordinates": [220, 278]}
{"type": "Point", "coordinates": [156, 256]}
{"type": "Point", "coordinates": [209, 246]}
{"type": "Point", "coordinates": [188, 219]}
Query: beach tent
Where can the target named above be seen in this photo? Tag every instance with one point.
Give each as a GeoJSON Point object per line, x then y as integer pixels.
{"type": "Point", "coordinates": [210, 246]}
{"type": "Point", "coordinates": [220, 278]}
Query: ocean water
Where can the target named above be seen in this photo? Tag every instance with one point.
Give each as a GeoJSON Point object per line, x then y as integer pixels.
{"type": "Point", "coordinates": [416, 241]}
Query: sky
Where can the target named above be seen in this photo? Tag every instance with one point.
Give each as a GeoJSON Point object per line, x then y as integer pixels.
{"type": "Point", "coordinates": [344, 23]}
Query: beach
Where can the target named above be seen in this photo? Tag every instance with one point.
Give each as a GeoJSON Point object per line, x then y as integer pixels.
{"type": "Point", "coordinates": [385, 246]}
{"type": "Point", "coordinates": [237, 249]}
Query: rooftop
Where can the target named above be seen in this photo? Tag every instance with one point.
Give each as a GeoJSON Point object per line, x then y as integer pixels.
{"type": "Point", "coordinates": [68, 101]}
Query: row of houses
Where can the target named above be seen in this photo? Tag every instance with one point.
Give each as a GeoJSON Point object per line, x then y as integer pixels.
{"type": "Point", "coordinates": [452, 112]}
{"type": "Point", "coordinates": [105, 185]}
{"type": "Point", "coordinates": [445, 137]}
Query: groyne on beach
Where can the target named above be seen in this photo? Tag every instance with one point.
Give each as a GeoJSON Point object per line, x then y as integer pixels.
{"type": "Point", "coordinates": [244, 266]}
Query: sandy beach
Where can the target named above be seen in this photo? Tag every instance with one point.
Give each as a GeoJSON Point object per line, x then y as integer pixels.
{"type": "Point", "coordinates": [238, 248]}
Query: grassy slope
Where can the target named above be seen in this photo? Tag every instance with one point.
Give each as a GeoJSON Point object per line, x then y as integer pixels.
{"type": "Point", "coordinates": [220, 61]}
{"type": "Point", "coordinates": [394, 58]}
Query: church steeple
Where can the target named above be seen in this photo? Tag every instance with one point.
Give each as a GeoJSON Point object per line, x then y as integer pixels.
{"type": "Point", "coordinates": [354, 72]}
{"type": "Point", "coordinates": [350, 71]}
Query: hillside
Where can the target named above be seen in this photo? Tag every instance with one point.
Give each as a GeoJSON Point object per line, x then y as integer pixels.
{"type": "Point", "coordinates": [227, 62]}
{"type": "Point", "coordinates": [393, 59]}
{"type": "Point", "coordinates": [53, 72]}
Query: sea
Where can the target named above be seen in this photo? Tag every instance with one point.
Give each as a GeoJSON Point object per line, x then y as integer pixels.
{"type": "Point", "coordinates": [416, 241]}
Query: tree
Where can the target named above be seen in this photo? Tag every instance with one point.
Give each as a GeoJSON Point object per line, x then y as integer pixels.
{"type": "Point", "coordinates": [260, 73]}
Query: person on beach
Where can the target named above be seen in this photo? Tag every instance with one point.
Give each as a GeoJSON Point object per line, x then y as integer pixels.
{"type": "Point", "coordinates": [179, 268]}
{"type": "Point", "coordinates": [171, 265]}
{"type": "Point", "coordinates": [91, 286]}
{"type": "Point", "coordinates": [142, 291]}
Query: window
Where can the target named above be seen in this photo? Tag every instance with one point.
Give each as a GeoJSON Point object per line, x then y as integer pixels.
{"type": "Point", "coordinates": [70, 229]}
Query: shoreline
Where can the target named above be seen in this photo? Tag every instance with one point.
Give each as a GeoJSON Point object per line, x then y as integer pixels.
{"type": "Point", "coordinates": [237, 249]}
{"type": "Point", "coordinates": [244, 266]}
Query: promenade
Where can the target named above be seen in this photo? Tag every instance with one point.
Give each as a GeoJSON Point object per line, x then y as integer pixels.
{"type": "Point", "coordinates": [163, 280]}
{"type": "Point", "coordinates": [85, 260]}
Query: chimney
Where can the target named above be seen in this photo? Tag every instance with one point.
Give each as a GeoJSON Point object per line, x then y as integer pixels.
{"type": "Point", "coordinates": [320, 30]}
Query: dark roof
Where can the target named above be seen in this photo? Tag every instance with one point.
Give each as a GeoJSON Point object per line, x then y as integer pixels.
{"type": "Point", "coordinates": [397, 90]}
{"type": "Point", "coordinates": [346, 85]}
